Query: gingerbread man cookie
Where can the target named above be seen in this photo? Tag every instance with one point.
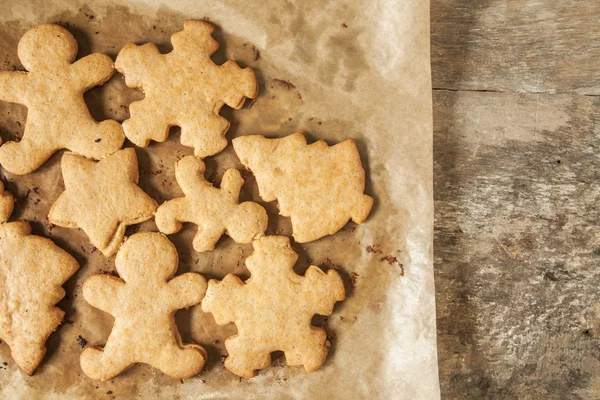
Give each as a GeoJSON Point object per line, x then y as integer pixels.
{"type": "Point", "coordinates": [318, 186]}
{"type": "Point", "coordinates": [184, 88]}
{"type": "Point", "coordinates": [52, 90]}
{"type": "Point", "coordinates": [143, 302]}
{"type": "Point", "coordinates": [215, 211]}
{"type": "Point", "coordinates": [32, 272]}
{"type": "Point", "coordinates": [273, 309]}
{"type": "Point", "coordinates": [102, 198]}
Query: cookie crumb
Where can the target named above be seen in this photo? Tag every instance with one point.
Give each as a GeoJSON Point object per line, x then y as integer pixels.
{"type": "Point", "coordinates": [352, 229]}
{"type": "Point", "coordinates": [81, 341]}
{"type": "Point", "coordinates": [373, 249]}
{"type": "Point", "coordinates": [353, 278]}
{"type": "Point", "coordinates": [327, 263]}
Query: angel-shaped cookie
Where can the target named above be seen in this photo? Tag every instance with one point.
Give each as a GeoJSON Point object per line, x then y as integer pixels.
{"type": "Point", "coordinates": [32, 271]}
{"type": "Point", "coordinates": [214, 210]}
{"type": "Point", "coordinates": [319, 186]}
{"type": "Point", "coordinates": [143, 301]}
{"type": "Point", "coordinates": [102, 198]}
{"type": "Point", "coordinates": [273, 309]}
{"type": "Point", "coordinates": [52, 90]}
{"type": "Point", "coordinates": [184, 88]}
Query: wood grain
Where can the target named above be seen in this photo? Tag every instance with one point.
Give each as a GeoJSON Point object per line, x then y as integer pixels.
{"type": "Point", "coordinates": [517, 245]}
{"type": "Point", "coordinates": [516, 45]}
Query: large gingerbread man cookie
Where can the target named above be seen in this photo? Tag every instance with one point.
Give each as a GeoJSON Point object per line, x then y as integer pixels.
{"type": "Point", "coordinates": [273, 309]}
{"type": "Point", "coordinates": [52, 91]}
{"type": "Point", "coordinates": [183, 88]}
{"type": "Point", "coordinates": [215, 211]}
{"type": "Point", "coordinates": [32, 271]}
{"type": "Point", "coordinates": [143, 301]}
{"type": "Point", "coordinates": [102, 198]}
{"type": "Point", "coordinates": [320, 187]}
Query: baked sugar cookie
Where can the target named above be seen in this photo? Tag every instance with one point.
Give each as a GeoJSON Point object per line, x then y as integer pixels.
{"type": "Point", "coordinates": [273, 309]}
{"type": "Point", "coordinates": [143, 301]}
{"type": "Point", "coordinates": [52, 90]}
{"type": "Point", "coordinates": [183, 88]}
{"type": "Point", "coordinates": [319, 186]}
{"type": "Point", "coordinates": [32, 271]}
{"type": "Point", "coordinates": [102, 198]}
{"type": "Point", "coordinates": [214, 210]}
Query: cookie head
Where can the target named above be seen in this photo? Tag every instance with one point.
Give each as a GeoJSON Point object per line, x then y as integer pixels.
{"type": "Point", "coordinates": [145, 257]}
{"type": "Point", "coordinates": [271, 252]}
{"type": "Point", "coordinates": [248, 222]}
{"type": "Point", "coordinates": [196, 36]}
{"type": "Point", "coordinates": [46, 46]}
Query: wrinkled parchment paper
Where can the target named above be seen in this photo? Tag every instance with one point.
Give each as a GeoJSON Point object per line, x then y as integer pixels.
{"type": "Point", "coordinates": [334, 70]}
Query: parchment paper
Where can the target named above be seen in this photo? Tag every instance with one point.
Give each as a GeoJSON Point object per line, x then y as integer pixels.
{"type": "Point", "coordinates": [334, 70]}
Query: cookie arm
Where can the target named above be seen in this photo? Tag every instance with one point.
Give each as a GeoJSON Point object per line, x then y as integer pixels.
{"type": "Point", "coordinates": [222, 299]}
{"type": "Point", "coordinates": [13, 85]}
{"type": "Point", "coordinates": [93, 70]}
{"type": "Point", "coordinates": [102, 291]}
{"type": "Point", "coordinates": [134, 62]}
{"type": "Point", "coordinates": [186, 290]}
{"type": "Point", "coordinates": [322, 290]}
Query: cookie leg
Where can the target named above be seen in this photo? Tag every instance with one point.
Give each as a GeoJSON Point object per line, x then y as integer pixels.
{"type": "Point", "coordinates": [100, 140]}
{"type": "Point", "coordinates": [145, 124]}
{"type": "Point", "coordinates": [101, 364]}
{"type": "Point", "coordinates": [181, 363]}
{"type": "Point", "coordinates": [244, 358]}
{"type": "Point", "coordinates": [314, 352]}
{"type": "Point", "coordinates": [205, 133]}
{"type": "Point", "coordinates": [206, 238]}
{"type": "Point", "coordinates": [26, 156]}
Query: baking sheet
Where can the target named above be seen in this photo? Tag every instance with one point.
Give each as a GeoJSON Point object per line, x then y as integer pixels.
{"type": "Point", "coordinates": [333, 70]}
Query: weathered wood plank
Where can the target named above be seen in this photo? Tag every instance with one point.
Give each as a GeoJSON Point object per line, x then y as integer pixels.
{"type": "Point", "coordinates": [517, 245]}
{"type": "Point", "coordinates": [516, 45]}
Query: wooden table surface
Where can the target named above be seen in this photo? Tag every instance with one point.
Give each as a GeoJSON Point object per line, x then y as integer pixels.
{"type": "Point", "coordinates": [516, 162]}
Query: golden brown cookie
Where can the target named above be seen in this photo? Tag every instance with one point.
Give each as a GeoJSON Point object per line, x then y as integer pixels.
{"type": "Point", "coordinates": [273, 309]}
{"type": "Point", "coordinates": [52, 91]}
{"type": "Point", "coordinates": [32, 271]}
{"type": "Point", "coordinates": [183, 88]}
{"type": "Point", "coordinates": [318, 186]}
{"type": "Point", "coordinates": [102, 198]}
{"type": "Point", "coordinates": [143, 301]}
{"type": "Point", "coordinates": [215, 211]}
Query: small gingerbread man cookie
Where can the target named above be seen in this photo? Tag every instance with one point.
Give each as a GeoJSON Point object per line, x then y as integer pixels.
{"type": "Point", "coordinates": [273, 309]}
{"type": "Point", "coordinates": [215, 211]}
{"type": "Point", "coordinates": [184, 88]}
{"type": "Point", "coordinates": [102, 198]}
{"type": "Point", "coordinates": [320, 187]}
{"type": "Point", "coordinates": [52, 90]}
{"type": "Point", "coordinates": [143, 302]}
{"type": "Point", "coordinates": [32, 271]}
